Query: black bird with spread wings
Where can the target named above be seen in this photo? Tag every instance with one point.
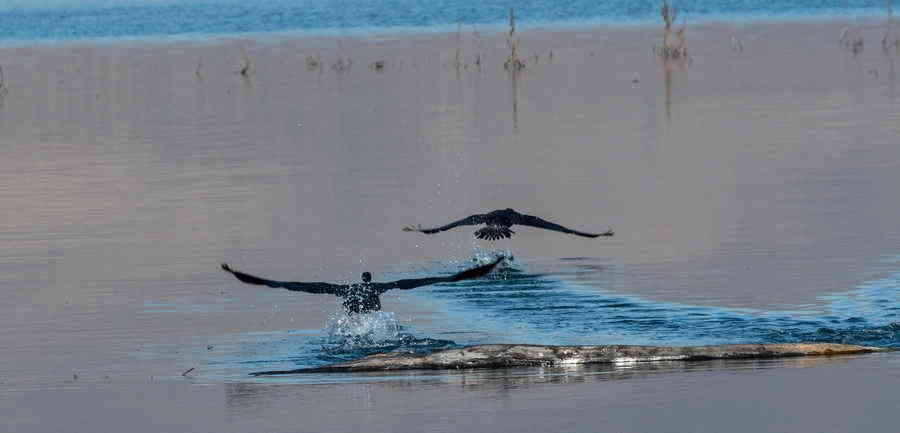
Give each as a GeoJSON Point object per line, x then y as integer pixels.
{"type": "Point", "coordinates": [499, 223]}
{"type": "Point", "coordinates": [362, 297]}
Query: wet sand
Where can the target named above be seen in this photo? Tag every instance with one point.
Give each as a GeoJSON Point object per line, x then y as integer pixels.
{"type": "Point", "coordinates": [763, 179]}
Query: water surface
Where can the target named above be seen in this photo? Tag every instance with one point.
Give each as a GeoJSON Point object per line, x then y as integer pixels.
{"type": "Point", "coordinates": [753, 196]}
{"type": "Point", "coordinates": [55, 20]}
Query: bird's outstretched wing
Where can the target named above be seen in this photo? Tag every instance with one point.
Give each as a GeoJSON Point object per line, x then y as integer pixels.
{"type": "Point", "coordinates": [290, 285]}
{"type": "Point", "coordinates": [477, 272]}
{"type": "Point", "coordinates": [533, 221]}
{"type": "Point", "coordinates": [468, 221]}
{"type": "Point", "coordinates": [412, 283]}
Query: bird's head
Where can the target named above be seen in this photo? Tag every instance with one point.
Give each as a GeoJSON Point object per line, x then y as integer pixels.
{"type": "Point", "coordinates": [366, 277]}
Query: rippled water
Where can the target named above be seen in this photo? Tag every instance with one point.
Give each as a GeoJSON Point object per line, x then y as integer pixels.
{"type": "Point", "coordinates": [513, 306]}
{"type": "Point", "coordinates": [560, 313]}
{"type": "Point", "coordinates": [67, 19]}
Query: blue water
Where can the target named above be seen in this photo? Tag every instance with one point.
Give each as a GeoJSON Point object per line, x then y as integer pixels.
{"type": "Point", "coordinates": [514, 305]}
{"type": "Point", "coordinates": [556, 312]}
{"type": "Point", "coordinates": [101, 19]}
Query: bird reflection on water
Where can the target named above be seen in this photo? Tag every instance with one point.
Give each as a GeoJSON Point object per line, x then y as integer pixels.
{"type": "Point", "coordinates": [358, 389]}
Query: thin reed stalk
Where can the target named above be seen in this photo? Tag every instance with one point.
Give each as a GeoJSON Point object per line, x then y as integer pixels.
{"type": "Point", "coordinates": [513, 62]}
{"type": "Point", "coordinates": [674, 45]}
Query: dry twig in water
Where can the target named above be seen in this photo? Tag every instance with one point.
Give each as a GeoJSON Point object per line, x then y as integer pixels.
{"type": "Point", "coordinates": [851, 38]}
{"type": "Point", "coordinates": [479, 57]}
{"type": "Point", "coordinates": [377, 66]}
{"type": "Point", "coordinates": [513, 62]}
{"type": "Point", "coordinates": [457, 59]}
{"type": "Point", "coordinates": [198, 71]}
{"type": "Point", "coordinates": [890, 38]}
{"type": "Point", "coordinates": [674, 46]}
{"type": "Point", "coordinates": [314, 63]}
{"type": "Point", "coordinates": [342, 65]}
{"type": "Point", "coordinates": [736, 44]}
{"type": "Point", "coordinates": [3, 89]}
{"type": "Point", "coordinates": [246, 65]}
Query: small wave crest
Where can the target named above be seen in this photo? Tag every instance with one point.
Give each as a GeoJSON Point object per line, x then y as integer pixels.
{"type": "Point", "coordinates": [882, 336]}
{"type": "Point", "coordinates": [536, 308]}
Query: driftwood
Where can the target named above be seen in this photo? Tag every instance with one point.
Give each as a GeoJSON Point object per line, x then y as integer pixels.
{"type": "Point", "coordinates": [523, 355]}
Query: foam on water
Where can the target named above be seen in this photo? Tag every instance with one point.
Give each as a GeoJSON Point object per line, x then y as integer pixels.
{"type": "Point", "coordinates": [375, 329]}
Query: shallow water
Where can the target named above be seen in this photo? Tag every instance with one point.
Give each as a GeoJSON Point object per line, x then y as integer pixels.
{"type": "Point", "coordinates": [753, 198]}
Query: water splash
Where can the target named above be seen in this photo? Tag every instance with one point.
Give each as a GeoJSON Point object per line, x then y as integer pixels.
{"type": "Point", "coordinates": [342, 339]}
{"type": "Point", "coordinates": [363, 330]}
{"type": "Point", "coordinates": [371, 333]}
{"type": "Point", "coordinates": [483, 256]}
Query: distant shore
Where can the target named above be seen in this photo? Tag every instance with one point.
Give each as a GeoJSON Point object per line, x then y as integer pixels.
{"type": "Point", "coordinates": [61, 20]}
{"type": "Point", "coordinates": [867, 17]}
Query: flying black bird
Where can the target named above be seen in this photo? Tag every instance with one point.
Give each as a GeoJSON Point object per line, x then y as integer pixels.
{"type": "Point", "coordinates": [362, 297]}
{"type": "Point", "coordinates": [499, 223]}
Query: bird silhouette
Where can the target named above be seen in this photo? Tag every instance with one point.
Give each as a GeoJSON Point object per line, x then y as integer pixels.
{"type": "Point", "coordinates": [498, 225]}
{"type": "Point", "coordinates": [363, 297]}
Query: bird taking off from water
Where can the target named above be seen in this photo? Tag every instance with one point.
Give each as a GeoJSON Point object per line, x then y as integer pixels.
{"type": "Point", "coordinates": [362, 297]}
{"type": "Point", "coordinates": [499, 223]}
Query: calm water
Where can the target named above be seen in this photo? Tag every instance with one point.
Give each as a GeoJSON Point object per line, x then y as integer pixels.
{"type": "Point", "coordinates": [753, 196]}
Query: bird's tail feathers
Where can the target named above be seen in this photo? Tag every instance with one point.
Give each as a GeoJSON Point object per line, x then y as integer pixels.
{"type": "Point", "coordinates": [492, 233]}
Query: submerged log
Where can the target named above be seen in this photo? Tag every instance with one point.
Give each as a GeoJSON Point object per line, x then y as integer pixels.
{"type": "Point", "coordinates": [522, 355]}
